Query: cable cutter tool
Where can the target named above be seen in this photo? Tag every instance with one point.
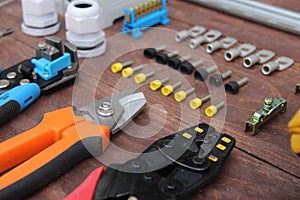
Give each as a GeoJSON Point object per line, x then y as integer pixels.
{"type": "Point", "coordinates": [62, 139]}
{"type": "Point", "coordinates": [173, 167]}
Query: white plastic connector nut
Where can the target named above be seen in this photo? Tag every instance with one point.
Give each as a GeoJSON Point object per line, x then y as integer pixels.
{"type": "Point", "coordinates": [84, 28]}
{"type": "Point", "coordinates": [39, 17]}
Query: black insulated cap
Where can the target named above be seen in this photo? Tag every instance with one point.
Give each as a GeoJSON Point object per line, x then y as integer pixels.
{"type": "Point", "coordinates": [174, 63]}
{"type": "Point", "coordinates": [162, 58]}
{"type": "Point", "coordinates": [232, 87]}
{"type": "Point", "coordinates": [150, 52]}
{"type": "Point", "coordinates": [186, 68]}
{"type": "Point", "coordinates": [201, 74]}
{"type": "Point", "coordinates": [215, 80]}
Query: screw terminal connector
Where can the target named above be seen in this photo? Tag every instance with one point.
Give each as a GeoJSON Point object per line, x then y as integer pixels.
{"type": "Point", "coordinates": [234, 86]}
{"type": "Point", "coordinates": [297, 88]}
{"type": "Point", "coordinates": [197, 102]}
{"type": "Point", "coordinates": [182, 95]}
{"type": "Point", "coordinates": [212, 110]}
{"type": "Point", "coordinates": [201, 74]}
{"type": "Point", "coordinates": [156, 84]}
{"type": "Point", "coordinates": [152, 52]}
{"type": "Point", "coordinates": [217, 79]}
{"type": "Point", "coordinates": [140, 78]}
{"type": "Point", "coordinates": [176, 62]}
{"type": "Point", "coordinates": [168, 89]}
{"type": "Point", "coordinates": [127, 72]}
{"type": "Point", "coordinates": [163, 57]}
{"type": "Point", "coordinates": [117, 67]}
{"type": "Point", "coordinates": [188, 68]}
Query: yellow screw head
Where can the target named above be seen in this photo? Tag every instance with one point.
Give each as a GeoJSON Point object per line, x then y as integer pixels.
{"type": "Point", "coordinates": [155, 85]}
{"type": "Point", "coordinates": [140, 78]}
{"type": "Point", "coordinates": [180, 96]}
{"type": "Point", "coordinates": [195, 103]}
{"type": "Point", "coordinates": [211, 111]}
{"type": "Point", "coordinates": [167, 90]}
{"type": "Point", "coordinates": [127, 72]}
{"type": "Point", "coordinates": [116, 67]}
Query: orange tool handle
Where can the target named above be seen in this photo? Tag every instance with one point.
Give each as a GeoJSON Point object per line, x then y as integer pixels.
{"type": "Point", "coordinates": [56, 144]}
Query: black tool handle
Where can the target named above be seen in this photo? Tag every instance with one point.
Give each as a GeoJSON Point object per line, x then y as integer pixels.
{"type": "Point", "coordinates": [8, 111]}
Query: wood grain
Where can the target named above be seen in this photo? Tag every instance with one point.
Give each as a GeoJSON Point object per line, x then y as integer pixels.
{"type": "Point", "coordinates": [260, 167]}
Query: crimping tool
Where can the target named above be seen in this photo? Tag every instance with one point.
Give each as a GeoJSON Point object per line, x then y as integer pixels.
{"type": "Point", "coordinates": [62, 139]}
{"type": "Point", "coordinates": [171, 168]}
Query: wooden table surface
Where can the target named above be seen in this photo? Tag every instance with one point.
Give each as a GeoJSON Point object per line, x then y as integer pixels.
{"type": "Point", "coordinates": [259, 167]}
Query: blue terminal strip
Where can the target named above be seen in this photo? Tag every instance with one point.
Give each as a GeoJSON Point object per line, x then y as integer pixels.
{"type": "Point", "coordinates": [24, 95]}
{"type": "Point", "coordinates": [47, 69]}
{"type": "Point", "coordinates": [138, 19]}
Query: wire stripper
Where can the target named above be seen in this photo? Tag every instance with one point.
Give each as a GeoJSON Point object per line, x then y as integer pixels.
{"type": "Point", "coordinates": [62, 139]}
{"type": "Point", "coordinates": [171, 168]}
{"type": "Point", "coordinates": [294, 128]}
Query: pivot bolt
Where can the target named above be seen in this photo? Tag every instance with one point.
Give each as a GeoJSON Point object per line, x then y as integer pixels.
{"type": "Point", "coordinates": [116, 67]}
{"type": "Point", "coordinates": [168, 89]}
{"type": "Point", "coordinates": [212, 110]}
{"type": "Point", "coordinates": [234, 86]}
{"type": "Point", "coordinates": [197, 102]}
{"type": "Point", "coordinates": [152, 52]}
{"type": "Point", "coordinates": [182, 95]}
{"type": "Point", "coordinates": [176, 62]}
{"type": "Point", "coordinates": [217, 79]}
{"type": "Point", "coordinates": [127, 72]}
{"type": "Point", "coordinates": [140, 78]}
{"type": "Point", "coordinates": [105, 109]}
{"type": "Point", "coordinates": [156, 84]}
{"type": "Point", "coordinates": [201, 74]}
{"type": "Point", "coordinates": [163, 58]}
{"type": "Point", "coordinates": [188, 68]}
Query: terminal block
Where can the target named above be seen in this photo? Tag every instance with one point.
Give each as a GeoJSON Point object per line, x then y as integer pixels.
{"type": "Point", "coordinates": [272, 106]}
{"type": "Point", "coordinates": [145, 15]}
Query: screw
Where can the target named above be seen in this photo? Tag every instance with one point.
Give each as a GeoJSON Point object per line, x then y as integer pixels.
{"type": "Point", "coordinates": [268, 104]}
{"type": "Point", "coordinates": [233, 86]}
{"type": "Point", "coordinates": [168, 89]}
{"type": "Point", "coordinates": [188, 68]}
{"type": "Point", "coordinates": [202, 74]}
{"type": "Point", "coordinates": [217, 79]}
{"type": "Point", "coordinates": [140, 78]}
{"type": "Point", "coordinates": [156, 84]}
{"type": "Point", "coordinates": [132, 198]}
{"type": "Point", "coordinates": [116, 67]}
{"type": "Point", "coordinates": [42, 45]}
{"type": "Point", "coordinates": [34, 75]}
{"type": "Point", "coordinates": [163, 58]}
{"type": "Point", "coordinates": [127, 72]}
{"type": "Point", "coordinates": [176, 62]}
{"type": "Point", "coordinates": [212, 110]}
{"type": "Point", "coordinates": [105, 109]}
{"type": "Point", "coordinates": [197, 102]}
{"type": "Point", "coordinates": [198, 161]}
{"type": "Point", "coordinates": [152, 52]}
{"type": "Point", "coordinates": [182, 95]}
{"type": "Point", "coordinates": [11, 75]}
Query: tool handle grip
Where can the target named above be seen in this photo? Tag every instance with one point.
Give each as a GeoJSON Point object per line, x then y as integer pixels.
{"type": "Point", "coordinates": [8, 111]}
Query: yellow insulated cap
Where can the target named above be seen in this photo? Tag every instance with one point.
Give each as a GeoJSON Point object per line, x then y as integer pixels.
{"type": "Point", "coordinates": [195, 103]}
{"type": "Point", "coordinates": [140, 78]}
{"type": "Point", "coordinates": [155, 85]}
{"type": "Point", "coordinates": [180, 96]}
{"type": "Point", "coordinates": [167, 90]}
{"type": "Point", "coordinates": [211, 111]}
{"type": "Point", "coordinates": [115, 68]}
{"type": "Point", "coordinates": [127, 72]}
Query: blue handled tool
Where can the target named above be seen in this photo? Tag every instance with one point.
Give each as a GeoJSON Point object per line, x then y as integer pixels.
{"type": "Point", "coordinates": [17, 99]}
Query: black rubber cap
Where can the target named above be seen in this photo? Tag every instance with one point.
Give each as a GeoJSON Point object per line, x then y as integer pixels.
{"type": "Point", "coordinates": [201, 74]}
{"type": "Point", "coordinates": [186, 68]}
{"type": "Point", "coordinates": [174, 63]}
{"type": "Point", "coordinates": [162, 58]}
{"type": "Point", "coordinates": [232, 87]}
{"type": "Point", "coordinates": [215, 80]}
{"type": "Point", "coordinates": [150, 53]}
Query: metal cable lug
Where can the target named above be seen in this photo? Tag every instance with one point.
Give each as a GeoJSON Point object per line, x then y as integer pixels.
{"type": "Point", "coordinates": [140, 78]}
{"type": "Point", "coordinates": [201, 74]}
{"type": "Point", "coordinates": [192, 32]}
{"type": "Point", "coordinates": [182, 95]}
{"type": "Point", "coordinates": [127, 72]}
{"type": "Point", "coordinates": [116, 67]}
{"type": "Point", "coordinates": [242, 51]}
{"type": "Point", "coordinates": [152, 52]}
{"type": "Point", "coordinates": [197, 102]}
{"type": "Point", "coordinates": [182, 35]}
{"type": "Point", "coordinates": [217, 79]}
{"type": "Point", "coordinates": [163, 58]}
{"type": "Point", "coordinates": [260, 57]}
{"type": "Point", "coordinates": [210, 36]}
{"type": "Point", "coordinates": [176, 62]}
{"type": "Point", "coordinates": [168, 89]}
{"type": "Point", "coordinates": [279, 64]}
{"type": "Point", "coordinates": [188, 68]}
{"type": "Point", "coordinates": [224, 43]}
{"type": "Point", "coordinates": [156, 84]}
{"type": "Point", "coordinates": [234, 86]}
{"type": "Point", "coordinates": [213, 109]}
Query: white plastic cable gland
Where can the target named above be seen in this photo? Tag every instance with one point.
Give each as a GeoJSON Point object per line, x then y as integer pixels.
{"type": "Point", "coordinates": [39, 17]}
{"type": "Point", "coordinates": [84, 28]}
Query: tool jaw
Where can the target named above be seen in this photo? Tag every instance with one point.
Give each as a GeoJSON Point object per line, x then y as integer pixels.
{"type": "Point", "coordinates": [115, 111]}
